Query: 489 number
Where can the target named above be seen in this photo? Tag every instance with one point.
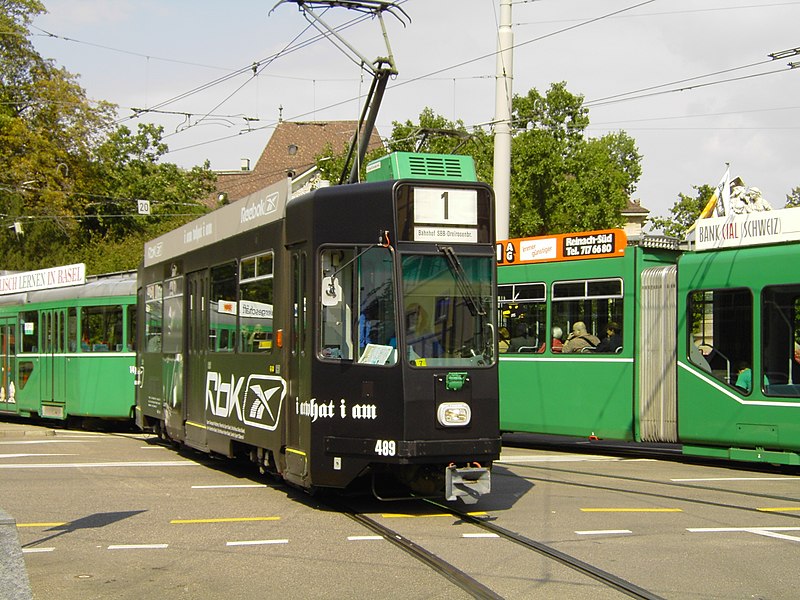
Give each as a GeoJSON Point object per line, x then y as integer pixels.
{"type": "Point", "coordinates": [385, 447]}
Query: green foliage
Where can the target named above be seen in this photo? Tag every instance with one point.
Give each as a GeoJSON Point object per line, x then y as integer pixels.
{"type": "Point", "coordinates": [684, 212]}
{"type": "Point", "coordinates": [562, 181]}
{"type": "Point", "coordinates": [67, 174]}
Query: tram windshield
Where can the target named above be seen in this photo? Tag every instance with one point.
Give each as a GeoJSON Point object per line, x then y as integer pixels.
{"type": "Point", "coordinates": [447, 303]}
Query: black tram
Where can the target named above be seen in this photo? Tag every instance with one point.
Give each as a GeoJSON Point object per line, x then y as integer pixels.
{"type": "Point", "coordinates": [344, 333]}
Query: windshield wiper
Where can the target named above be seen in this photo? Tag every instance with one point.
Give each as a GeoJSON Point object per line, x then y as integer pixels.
{"type": "Point", "coordinates": [474, 303]}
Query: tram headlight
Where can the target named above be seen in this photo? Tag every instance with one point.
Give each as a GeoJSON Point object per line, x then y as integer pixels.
{"type": "Point", "coordinates": [454, 414]}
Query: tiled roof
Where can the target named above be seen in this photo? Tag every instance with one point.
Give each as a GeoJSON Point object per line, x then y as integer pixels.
{"type": "Point", "coordinates": [634, 207]}
{"type": "Point", "coordinates": [293, 147]}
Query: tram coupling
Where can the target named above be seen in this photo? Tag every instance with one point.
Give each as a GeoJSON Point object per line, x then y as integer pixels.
{"type": "Point", "coordinates": [467, 483]}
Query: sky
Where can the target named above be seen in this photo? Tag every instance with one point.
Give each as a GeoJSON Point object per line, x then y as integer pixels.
{"type": "Point", "coordinates": [690, 80]}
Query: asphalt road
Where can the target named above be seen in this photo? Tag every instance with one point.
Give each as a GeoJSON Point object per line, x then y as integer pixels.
{"type": "Point", "coordinates": [105, 515]}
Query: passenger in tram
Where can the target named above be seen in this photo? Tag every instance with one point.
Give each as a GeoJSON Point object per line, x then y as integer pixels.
{"type": "Point", "coordinates": [522, 341]}
{"type": "Point", "coordinates": [503, 341]}
{"type": "Point", "coordinates": [744, 379]}
{"type": "Point", "coordinates": [613, 341]}
{"type": "Point", "coordinates": [579, 339]}
{"type": "Point", "coordinates": [556, 345]}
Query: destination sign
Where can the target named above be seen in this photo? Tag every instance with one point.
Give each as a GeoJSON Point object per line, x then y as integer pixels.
{"type": "Point", "coordinates": [563, 246]}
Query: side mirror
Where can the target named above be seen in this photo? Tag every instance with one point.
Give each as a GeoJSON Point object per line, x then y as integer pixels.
{"type": "Point", "coordinates": [331, 292]}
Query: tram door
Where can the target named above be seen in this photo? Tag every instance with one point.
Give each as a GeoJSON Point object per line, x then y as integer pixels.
{"type": "Point", "coordinates": [299, 379]}
{"type": "Point", "coordinates": [197, 358]}
{"type": "Point", "coordinates": [8, 365]}
{"type": "Point", "coordinates": [53, 362]}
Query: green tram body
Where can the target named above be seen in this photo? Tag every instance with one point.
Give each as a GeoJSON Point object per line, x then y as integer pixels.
{"type": "Point", "coordinates": [68, 352]}
{"type": "Point", "coordinates": [687, 319]}
{"type": "Point", "coordinates": [272, 329]}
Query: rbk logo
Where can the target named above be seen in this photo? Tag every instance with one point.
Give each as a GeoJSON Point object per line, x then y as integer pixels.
{"type": "Point", "coordinates": [263, 399]}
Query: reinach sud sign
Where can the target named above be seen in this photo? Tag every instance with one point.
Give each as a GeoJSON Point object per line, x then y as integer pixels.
{"type": "Point", "coordinates": [43, 279]}
{"type": "Point", "coordinates": [562, 246]}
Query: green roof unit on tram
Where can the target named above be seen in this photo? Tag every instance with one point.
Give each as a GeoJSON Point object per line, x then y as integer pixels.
{"type": "Point", "coordinates": [412, 165]}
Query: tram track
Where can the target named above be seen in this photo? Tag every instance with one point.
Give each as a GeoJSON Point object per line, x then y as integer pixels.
{"type": "Point", "coordinates": [471, 585]}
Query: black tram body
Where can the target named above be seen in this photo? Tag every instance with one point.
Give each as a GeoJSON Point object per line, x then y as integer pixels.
{"type": "Point", "coordinates": [344, 333]}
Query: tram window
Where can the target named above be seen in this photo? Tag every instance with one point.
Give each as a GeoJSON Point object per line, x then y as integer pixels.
{"type": "Point", "coordinates": [522, 313]}
{"type": "Point", "coordinates": [29, 326]}
{"type": "Point", "coordinates": [101, 328]}
{"type": "Point", "coordinates": [222, 314]}
{"type": "Point", "coordinates": [336, 305]}
{"type": "Point", "coordinates": [173, 315]}
{"type": "Point", "coordinates": [780, 340]}
{"type": "Point", "coordinates": [72, 329]}
{"type": "Point", "coordinates": [377, 335]}
{"type": "Point", "coordinates": [131, 314]}
{"type": "Point", "coordinates": [722, 333]}
{"type": "Point", "coordinates": [597, 303]}
{"type": "Point", "coordinates": [256, 298]}
{"type": "Point", "coordinates": [153, 317]}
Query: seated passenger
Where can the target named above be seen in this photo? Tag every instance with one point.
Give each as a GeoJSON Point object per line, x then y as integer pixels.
{"type": "Point", "coordinates": [555, 344]}
{"type": "Point", "coordinates": [744, 379]}
{"type": "Point", "coordinates": [613, 339]}
{"type": "Point", "coordinates": [521, 342]}
{"type": "Point", "coordinates": [503, 342]}
{"type": "Point", "coordinates": [579, 339]}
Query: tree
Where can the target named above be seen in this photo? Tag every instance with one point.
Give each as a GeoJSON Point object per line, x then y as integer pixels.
{"type": "Point", "coordinates": [684, 212]}
{"type": "Point", "coordinates": [560, 180]}
{"type": "Point", "coordinates": [65, 169]}
{"type": "Point", "coordinates": [793, 199]}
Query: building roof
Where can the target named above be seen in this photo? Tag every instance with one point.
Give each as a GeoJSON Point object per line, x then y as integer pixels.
{"type": "Point", "coordinates": [291, 150]}
{"type": "Point", "coordinates": [634, 208]}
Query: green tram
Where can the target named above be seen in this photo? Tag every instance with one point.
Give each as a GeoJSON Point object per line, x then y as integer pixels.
{"type": "Point", "coordinates": [705, 346]}
{"type": "Point", "coordinates": [342, 335]}
{"type": "Point", "coordinates": [66, 344]}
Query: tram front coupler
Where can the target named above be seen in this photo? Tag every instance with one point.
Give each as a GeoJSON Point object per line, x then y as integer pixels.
{"type": "Point", "coordinates": [468, 483]}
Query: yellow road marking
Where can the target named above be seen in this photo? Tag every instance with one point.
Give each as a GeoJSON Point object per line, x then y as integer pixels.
{"type": "Point", "coordinates": [672, 510]}
{"type": "Point", "coordinates": [223, 520]}
{"type": "Point", "coordinates": [781, 509]}
{"type": "Point", "coordinates": [404, 516]}
{"type": "Point", "coordinates": [40, 524]}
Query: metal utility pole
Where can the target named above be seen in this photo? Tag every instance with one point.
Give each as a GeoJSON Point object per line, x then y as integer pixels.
{"type": "Point", "coordinates": [502, 121]}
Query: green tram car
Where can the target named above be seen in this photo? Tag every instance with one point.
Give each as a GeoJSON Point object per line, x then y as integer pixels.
{"type": "Point", "coordinates": [66, 344]}
{"type": "Point", "coordinates": [707, 354]}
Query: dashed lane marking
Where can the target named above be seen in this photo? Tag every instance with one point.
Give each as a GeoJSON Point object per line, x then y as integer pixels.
{"type": "Point", "coordinates": [479, 535]}
{"type": "Point", "coordinates": [41, 524]}
{"type": "Point", "coordinates": [438, 515]}
{"type": "Point", "coordinates": [699, 479]}
{"type": "Point", "coordinates": [36, 550]}
{"type": "Point", "coordinates": [163, 463]}
{"type": "Point", "coordinates": [633, 510]}
{"type": "Point", "coordinates": [604, 532]}
{"type": "Point", "coordinates": [138, 546]}
{"type": "Point", "coordinates": [222, 520]}
{"type": "Point", "coordinates": [780, 509]}
{"type": "Point", "coordinates": [32, 454]}
{"type": "Point", "coordinates": [238, 485]}
{"type": "Point", "coordinates": [256, 542]}
{"type": "Point", "coordinates": [772, 532]}
{"type": "Point", "coordinates": [362, 538]}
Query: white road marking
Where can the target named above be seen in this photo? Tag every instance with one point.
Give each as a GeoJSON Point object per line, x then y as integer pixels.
{"type": "Point", "coordinates": [360, 538]}
{"type": "Point", "coordinates": [556, 458]}
{"type": "Point", "coordinates": [138, 546]}
{"type": "Point", "coordinates": [604, 532]}
{"type": "Point", "coordinates": [36, 550]}
{"type": "Point", "coordinates": [171, 463]}
{"type": "Point", "coordinates": [765, 531]}
{"type": "Point", "coordinates": [52, 441]}
{"type": "Point", "coordinates": [238, 485]}
{"type": "Point", "coordinates": [737, 479]}
{"type": "Point", "coordinates": [32, 454]}
{"type": "Point", "coordinates": [479, 535]}
{"type": "Point", "coordinates": [257, 542]}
